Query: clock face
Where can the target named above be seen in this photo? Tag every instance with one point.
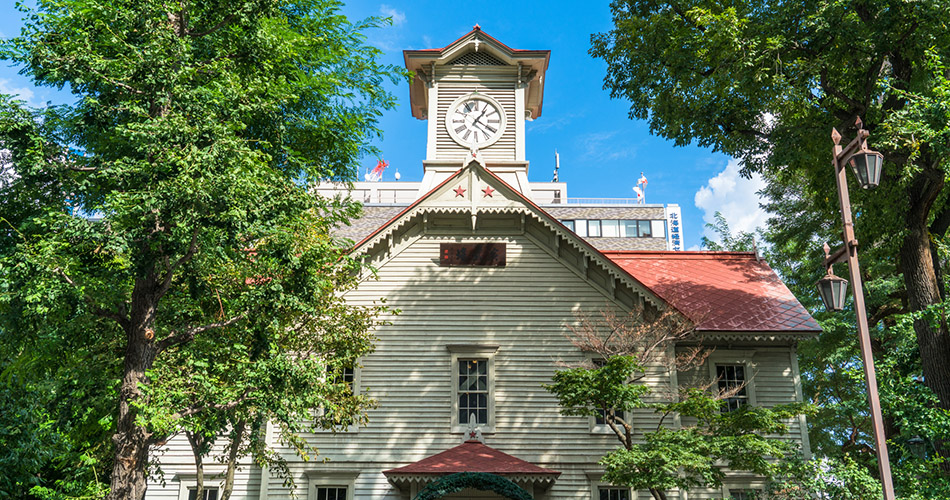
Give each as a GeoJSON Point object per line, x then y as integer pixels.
{"type": "Point", "coordinates": [475, 120]}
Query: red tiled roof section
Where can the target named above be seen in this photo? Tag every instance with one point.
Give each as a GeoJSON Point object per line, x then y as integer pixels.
{"type": "Point", "coordinates": [720, 291]}
{"type": "Point", "coordinates": [472, 456]}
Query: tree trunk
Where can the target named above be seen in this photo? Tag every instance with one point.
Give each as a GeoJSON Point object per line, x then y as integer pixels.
{"type": "Point", "coordinates": [196, 443]}
{"type": "Point", "coordinates": [236, 443]}
{"type": "Point", "coordinates": [657, 494]}
{"type": "Point", "coordinates": [920, 280]}
{"type": "Point", "coordinates": [132, 441]}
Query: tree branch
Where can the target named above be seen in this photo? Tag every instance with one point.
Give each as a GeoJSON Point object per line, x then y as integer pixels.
{"type": "Point", "coordinates": [679, 11]}
{"type": "Point", "coordinates": [245, 397]}
{"type": "Point", "coordinates": [96, 309]}
{"type": "Point", "coordinates": [826, 86]}
{"type": "Point", "coordinates": [116, 82]}
{"type": "Point", "coordinates": [170, 270]}
{"type": "Point", "coordinates": [189, 335]}
{"type": "Point", "coordinates": [224, 22]}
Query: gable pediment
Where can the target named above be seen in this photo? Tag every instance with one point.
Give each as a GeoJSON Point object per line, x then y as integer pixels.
{"type": "Point", "coordinates": [476, 48]}
{"type": "Point", "coordinates": [474, 202]}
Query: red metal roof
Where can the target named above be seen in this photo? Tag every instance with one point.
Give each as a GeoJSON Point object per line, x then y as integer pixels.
{"type": "Point", "coordinates": [720, 291]}
{"type": "Point", "coordinates": [472, 456]}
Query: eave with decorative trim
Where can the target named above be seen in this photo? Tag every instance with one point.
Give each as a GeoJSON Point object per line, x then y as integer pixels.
{"type": "Point", "coordinates": [532, 66]}
{"type": "Point", "coordinates": [511, 201]}
{"type": "Point", "coordinates": [470, 456]}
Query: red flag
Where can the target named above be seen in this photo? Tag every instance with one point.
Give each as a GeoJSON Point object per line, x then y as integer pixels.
{"type": "Point", "coordinates": [377, 173]}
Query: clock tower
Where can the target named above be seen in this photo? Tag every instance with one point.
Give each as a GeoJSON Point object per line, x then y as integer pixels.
{"type": "Point", "coordinates": [476, 94]}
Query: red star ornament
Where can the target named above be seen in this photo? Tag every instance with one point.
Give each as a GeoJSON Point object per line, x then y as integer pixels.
{"type": "Point", "coordinates": [488, 192]}
{"type": "Point", "coordinates": [459, 191]}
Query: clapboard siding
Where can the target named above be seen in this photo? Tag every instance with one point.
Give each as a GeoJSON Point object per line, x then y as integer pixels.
{"type": "Point", "coordinates": [773, 380]}
{"type": "Point", "coordinates": [411, 372]}
{"type": "Point", "coordinates": [176, 460]}
{"type": "Point", "coordinates": [523, 308]}
{"type": "Point", "coordinates": [501, 91]}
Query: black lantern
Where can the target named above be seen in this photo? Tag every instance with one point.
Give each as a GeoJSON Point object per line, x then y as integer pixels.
{"type": "Point", "coordinates": [917, 447]}
{"type": "Point", "coordinates": [832, 290]}
{"type": "Point", "coordinates": [866, 165]}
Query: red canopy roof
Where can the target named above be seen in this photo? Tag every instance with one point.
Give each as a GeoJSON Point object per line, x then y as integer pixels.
{"type": "Point", "coordinates": [472, 456]}
{"type": "Point", "coordinates": [720, 291]}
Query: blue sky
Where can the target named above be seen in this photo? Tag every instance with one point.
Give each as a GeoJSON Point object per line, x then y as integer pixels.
{"type": "Point", "coordinates": [602, 151]}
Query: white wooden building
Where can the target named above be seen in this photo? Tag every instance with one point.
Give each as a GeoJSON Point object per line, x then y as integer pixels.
{"type": "Point", "coordinates": [487, 279]}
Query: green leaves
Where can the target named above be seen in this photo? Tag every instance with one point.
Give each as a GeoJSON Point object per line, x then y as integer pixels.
{"type": "Point", "coordinates": [588, 391]}
{"type": "Point", "coordinates": [164, 222]}
{"type": "Point", "coordinates": [676, 456]}
{"type": "Point", "coordinates": [765, 83]}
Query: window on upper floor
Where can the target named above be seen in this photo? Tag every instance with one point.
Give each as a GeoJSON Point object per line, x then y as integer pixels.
{"type": "Point", "coordinates": [731, 379]}
{"type": "Point", "coordinates": [473, 386]}
{"type": "Point", "coordinates": [617, 228]}
{"type": "Point", "coordinates": [347, 376]}
{"type": "Point", "coordinates": [350, 376]}
{"type": "Point", "coordinates": [598, 423]}
{"type": "Point", "coordinates": [473, 390]}
{"type": "Point", "coordinates": [209, 493]}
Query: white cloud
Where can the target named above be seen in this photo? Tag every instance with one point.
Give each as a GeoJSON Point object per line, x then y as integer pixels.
{"type": "Point", "coordinates": [23, 93]}
{"type": "Point", "coordinates": [398, 17]}
{"type": "Point", "coordinates": [735, 197]}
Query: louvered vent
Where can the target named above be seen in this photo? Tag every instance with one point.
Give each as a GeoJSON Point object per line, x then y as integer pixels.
{"type": "Point", "coordinates": [480, 58]}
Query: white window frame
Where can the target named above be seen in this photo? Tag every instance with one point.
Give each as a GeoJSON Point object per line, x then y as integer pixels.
{"type": "Point", "coordinates": [596, 483]}
{"type": "Point", "coordinates": [190, 481]}
{"type": "Point", "coordinates": [734, 357]}
{"type": "Point", "coordinates": [354, 428]}
{"type": "Point", "coordinates": [603, 428]}
{"type": "Point", "coordinates": [331, 479]}
{"type": "Point", "coordinates": [472, 351]}
{"type": "Point", "coordinates": [751, 484]}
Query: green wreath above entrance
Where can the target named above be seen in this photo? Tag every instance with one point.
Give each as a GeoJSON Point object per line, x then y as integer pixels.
{"type": "Point", "coordinates": [476, 480]}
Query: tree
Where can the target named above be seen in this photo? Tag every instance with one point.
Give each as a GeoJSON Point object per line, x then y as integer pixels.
{"type": "Point", "coordinates": [833, 379]}
{"type": "Point", "coordinates": [685, 455]}
{"type": "Point", "coordinates": [766, 82]}
{"type": "Point", "coordinates": [741, 242]}
{"type": "Point", "coordinates": [164, 220]}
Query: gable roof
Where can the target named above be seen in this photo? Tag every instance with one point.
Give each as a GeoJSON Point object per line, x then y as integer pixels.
{"type": "Point", "coordinates": [472, 456]}
{"type": "Point", "coordinates": [514, 201]}
{"type": "Point", "coordinates": [533, 64]}
{"type": "Point", "coordinates": [720, 291]}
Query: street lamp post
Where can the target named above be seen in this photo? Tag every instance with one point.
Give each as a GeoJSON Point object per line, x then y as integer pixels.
{"type": "Point", "coordinates": [867, 167]}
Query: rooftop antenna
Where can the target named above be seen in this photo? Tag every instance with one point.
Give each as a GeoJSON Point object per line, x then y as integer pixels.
{"type": "Point", "coordinates": [557, 165]}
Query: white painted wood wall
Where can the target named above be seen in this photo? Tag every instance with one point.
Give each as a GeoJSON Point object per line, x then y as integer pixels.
{"type": "Point", "coordinates": [523, 308]}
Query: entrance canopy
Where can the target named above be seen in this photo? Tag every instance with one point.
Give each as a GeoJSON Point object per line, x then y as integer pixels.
{"type": "Point", "coordinates": [471, 456]}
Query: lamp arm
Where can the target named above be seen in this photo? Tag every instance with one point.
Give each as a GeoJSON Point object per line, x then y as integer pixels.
{"type": "Point", "coordinates": [856, 144]}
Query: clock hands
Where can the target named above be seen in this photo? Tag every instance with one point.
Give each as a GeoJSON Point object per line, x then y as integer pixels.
{"type": "Point", "coordinates": [475, 121]}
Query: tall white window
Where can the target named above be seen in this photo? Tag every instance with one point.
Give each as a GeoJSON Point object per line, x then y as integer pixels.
{"type": "Point", "coordinates": [473, 386]}
{"type": "Point", "coordinates": [473, 390]}
{"type": "Point", "coordinates": [732, 380]}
